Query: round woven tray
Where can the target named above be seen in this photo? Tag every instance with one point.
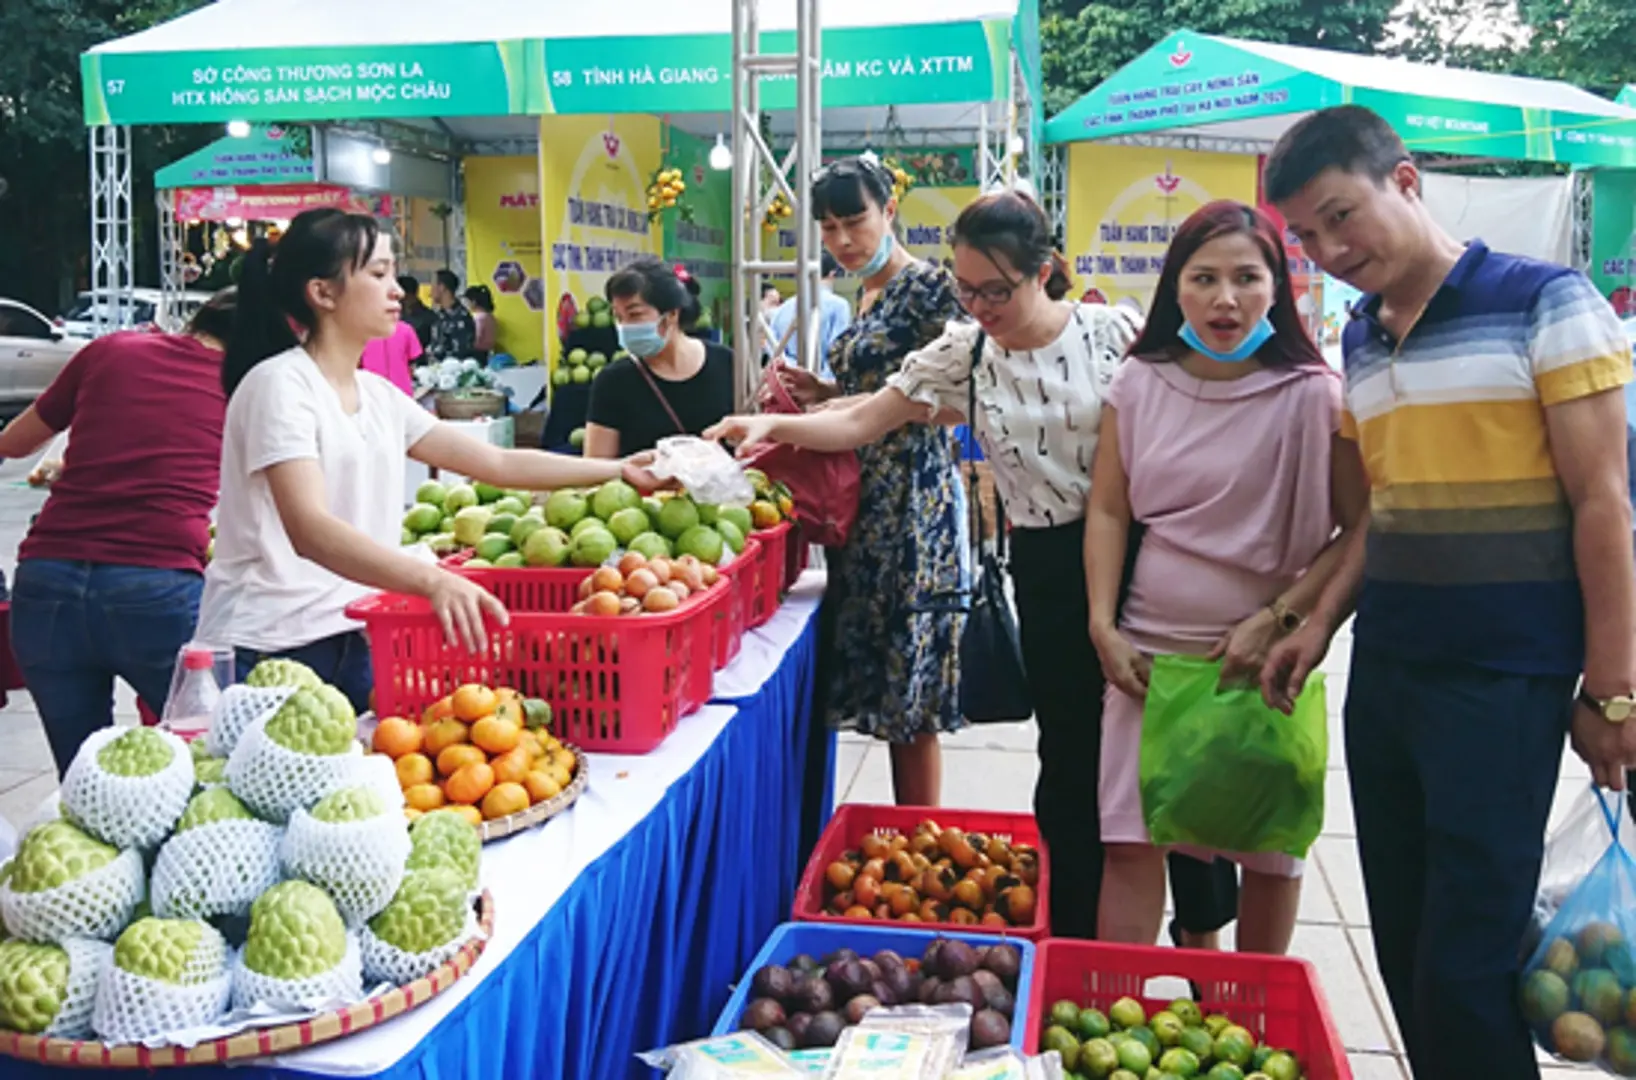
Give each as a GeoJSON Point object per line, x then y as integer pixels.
{"type": "Point", "coordinates": [258, 1042]}
{"type": "Point", "coordinates": [545, 811]}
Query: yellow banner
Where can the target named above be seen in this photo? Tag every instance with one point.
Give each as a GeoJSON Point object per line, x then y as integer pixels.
{"type": "Point", "coordinates": [924, 217]}
{"type": "Point", "coordinates": [593, 206]}
{"type": "Point", "coordinates": [503, 249]}
{"type": "Point", "coordinates": [1124, 202]}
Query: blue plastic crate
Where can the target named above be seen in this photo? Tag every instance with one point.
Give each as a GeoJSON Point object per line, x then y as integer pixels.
{"type": "Point", "coordinates": [816, 940]}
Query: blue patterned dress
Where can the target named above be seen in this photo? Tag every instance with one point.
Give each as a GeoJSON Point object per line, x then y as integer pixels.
{"type": "Point", "coordinates": [894, 668]}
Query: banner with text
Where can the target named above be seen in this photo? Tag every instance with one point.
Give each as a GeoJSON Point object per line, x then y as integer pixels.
{"type": "Point", "coordinates": [503, 249]}
{"type": "Point", "coordinates": [704, 245]}
{"type": "Point", "coordinates": [1124, 202]}
{"type": "Point", "coordinates": [593, 207]}
{"type": "Point", "coordinates": [1613, 238]}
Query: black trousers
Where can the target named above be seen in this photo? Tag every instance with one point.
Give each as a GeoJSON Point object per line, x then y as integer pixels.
{"type": "Point", "coordinates": [1065, 680]}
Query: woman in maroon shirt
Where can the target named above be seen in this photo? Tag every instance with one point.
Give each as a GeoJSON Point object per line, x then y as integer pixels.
{"type": "Point", "coordinates": [109, 575]}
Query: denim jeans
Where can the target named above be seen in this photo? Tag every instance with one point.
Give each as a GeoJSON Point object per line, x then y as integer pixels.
{"type": "Point", "coordinates": [75, 626]}
{"type": "Point", "coordinates": [342, 661]}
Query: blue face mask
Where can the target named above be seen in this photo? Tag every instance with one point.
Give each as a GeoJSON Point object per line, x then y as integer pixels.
{"type": "Point", "coordinates": [641, 340]}
{"type": "Point", "coordinates": [1257, 337]}
{"type": "Point", "coordinates": [882, 253]}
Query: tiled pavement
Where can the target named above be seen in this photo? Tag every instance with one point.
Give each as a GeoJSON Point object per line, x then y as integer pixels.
{"type": "Point", "coordinates": [985, 768]}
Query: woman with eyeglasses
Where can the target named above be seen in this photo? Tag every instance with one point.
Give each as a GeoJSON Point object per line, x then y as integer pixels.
{"type": "Point", "coordinates": [890, 624]}
{"type": "Point", "coordinates": [1041, 368]}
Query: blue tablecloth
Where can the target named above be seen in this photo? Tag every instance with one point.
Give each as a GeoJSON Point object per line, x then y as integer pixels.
{"type": "Point", "coordinates": [641, 949]}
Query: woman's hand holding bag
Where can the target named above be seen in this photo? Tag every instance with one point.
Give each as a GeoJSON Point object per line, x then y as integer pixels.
{"type": "Point", "coordinates": [825, 485]}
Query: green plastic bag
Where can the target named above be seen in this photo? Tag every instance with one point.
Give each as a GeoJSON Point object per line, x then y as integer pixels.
{"type": "Point", "coordinates": [1221, 770]}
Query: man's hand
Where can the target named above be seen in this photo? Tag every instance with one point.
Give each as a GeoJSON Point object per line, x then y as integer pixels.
{"type": "Point", "coordinates": [1289, 663]}
{"type": "Point", "coordinates": [1609, 749]}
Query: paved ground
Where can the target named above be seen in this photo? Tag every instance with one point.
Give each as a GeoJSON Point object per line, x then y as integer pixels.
{"type": "Point", "coordinates": [986, 768]}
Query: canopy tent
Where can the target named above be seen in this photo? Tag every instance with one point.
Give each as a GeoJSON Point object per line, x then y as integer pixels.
{"type": "Point", "coordinates": [1627, 96]}
{"type": "Point", "coordinates": [1224, 90]}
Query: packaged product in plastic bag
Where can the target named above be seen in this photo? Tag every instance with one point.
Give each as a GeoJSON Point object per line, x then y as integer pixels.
{"type": "Point", "coordinates": [1577, 986]}
{"type": "Point", "coordinates": [1221, 770]}
{"type": "Point", "coordinates": [708, 472]}
{"type": "Point", "coordinates": [876, 1052]}
{"type": "Point", "coordinates": [1004, 1063]}
{"type": "Point", "coordinates": [741, 1053]}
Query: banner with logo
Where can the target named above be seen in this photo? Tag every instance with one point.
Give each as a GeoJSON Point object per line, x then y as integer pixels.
{"type": "Point", "coordinates": [1125, 202]}
{"type": "Point", "coordinates": [1613, 238]}
{"type": "Point", "coordinates": [595, 172]}
{"type": "Point", "coordinates": [272, 202]}
{"type": "Point", "coordinates": [503, 248]}
{"type": "Point", "coordinates": [703, 243]}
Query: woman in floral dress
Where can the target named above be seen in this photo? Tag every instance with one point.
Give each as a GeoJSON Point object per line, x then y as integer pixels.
{"type": "Point", "coordinates": [889, 658]}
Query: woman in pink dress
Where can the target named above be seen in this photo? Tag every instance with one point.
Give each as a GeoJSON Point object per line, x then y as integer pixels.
{"type": "Point", "coordinates": [1222, 438]}
{"type": "Point", "coordinates": [392, 357]}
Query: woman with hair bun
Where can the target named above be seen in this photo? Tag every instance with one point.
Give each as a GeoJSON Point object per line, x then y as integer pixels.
{"type": "Point", "coordinates": [1041, 368]}
{"type": "Point", "coordinates": [671, 383]}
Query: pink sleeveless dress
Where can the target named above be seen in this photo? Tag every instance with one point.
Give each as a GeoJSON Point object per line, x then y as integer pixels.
{"type": "Point", "coordinates": [1233, 481]}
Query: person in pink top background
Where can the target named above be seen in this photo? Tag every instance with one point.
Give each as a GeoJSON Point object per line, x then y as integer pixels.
{"type": "Point", "coordinates": [391, 357]}
{"type": "Point", "coordinates": [1221, 435]}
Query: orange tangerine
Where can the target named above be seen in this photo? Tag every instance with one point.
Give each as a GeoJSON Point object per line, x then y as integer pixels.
{"type": "Point", "coordinates": [422, 798]}
{"type": "Point", "coordinates": [441, 709]}
{"type": "Point", "coordinates": [511, 710]}
{"type": "Point", "coordinates": [512, 766]}
{"type": "Point", "coordinates": [396, 737]}
{"type": "Point", "coordinates": [413, 769]}
{"type": "Point", "coordinates": [506, 693]}
{"type": "Point", "coordinates": [443, 734]}
{"type": "Point", "coordinates": [470, 813]}
{"type": "Point", "coordinates": [495, 735]}
{"type": "Point", "coordinates": [541, 787]}
{"type": "Point", "coordinates": [504, 799]}
{"type": "Point", "coordinates": [469, 784]}
{"type": "Point", "coordinates": [473, 702]}
{"type": "Point", "coordinates": [411, 813]}
{"type": "Point", "coordinates": [455, 758]}
{"type": "Point", "coordinates": [558, 773]}
{"type": "Point", "coordinates": [531, 742]}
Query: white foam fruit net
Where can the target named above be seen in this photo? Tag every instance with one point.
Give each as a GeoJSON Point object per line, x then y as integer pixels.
{"type": "Point", "coordinates": [359, 863]}
{"type": "Point", "coordinates": [97, 905]}
{"type": "Point", "coordinates": [237, 710]}
{"type": "Point", "coordinates": [274, 781]}
{"type": "Point", "coordinates": [127, 811]}
{"type": "Point", "coordinates": [376, 772]}
{"type": "Point", "coordinates": [87, 959]}
{"type": "Point", "coordinates": [344, 982]}
{"type": "Point", "coordinates": [133, 1008]}
{"type": "Point", "coordinates": [215, 869]}
{"type": "Point", "coordinates": [384, 962]}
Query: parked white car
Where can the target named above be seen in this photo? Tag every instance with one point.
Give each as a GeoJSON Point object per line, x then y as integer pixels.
{"type": "Point", "coordinates": [77, 321]}
{"type": "Point", "coordinates": [32, 352]}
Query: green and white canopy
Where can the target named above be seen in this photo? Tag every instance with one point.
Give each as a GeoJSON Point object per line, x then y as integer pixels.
{"type": "Point", "coordinates": [1198, 84]}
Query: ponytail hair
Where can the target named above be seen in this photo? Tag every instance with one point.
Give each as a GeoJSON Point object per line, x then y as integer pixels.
{"type": "Point", "coordinates": [325, 245]}
{"type": "Point", "coordinates": [1010, 223]}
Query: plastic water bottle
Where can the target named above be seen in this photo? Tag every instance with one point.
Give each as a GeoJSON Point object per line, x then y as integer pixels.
{"type": "Point", "coordinates": [193, 696]}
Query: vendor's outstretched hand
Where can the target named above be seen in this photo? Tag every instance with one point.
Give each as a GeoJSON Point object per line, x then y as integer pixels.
{"type": "Point", "coordinates": [636, 473]}
{"type": "Point", "coordinates": [743, 431]}
{"type": "Point", "coordinates": [463, 608]}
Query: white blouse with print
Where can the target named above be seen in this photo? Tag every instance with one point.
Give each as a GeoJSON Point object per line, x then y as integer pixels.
{"type": "Point", "coordinates": [1038, 410]}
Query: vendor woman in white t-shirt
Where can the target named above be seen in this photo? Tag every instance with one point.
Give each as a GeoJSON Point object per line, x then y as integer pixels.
{"type": "Point", "coordinates": [313, 462]}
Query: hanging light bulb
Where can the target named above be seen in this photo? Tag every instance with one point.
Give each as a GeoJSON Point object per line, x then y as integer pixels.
{"type": "Point", "coordinates": [239, 129]}
{"type": "Point", "coordinates": [1016, 144]}
{"type": "Point", "coordinates": [721, 158]}
{"type": "Point", "coordinates": [381, 156]}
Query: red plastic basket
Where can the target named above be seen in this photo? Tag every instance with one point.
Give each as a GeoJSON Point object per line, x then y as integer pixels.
{"type": "Point", "coordinates": [797, 551]}
{"type": "Point", "coordinates": [616, 684]}
{"type": "Point", "coordinates": [853, 821]}
{"type": "Point", "coordinates": [775, 543]}
{"type": "Point", "coordinates": [1276, 998]}
{"type": "Point", "coordinates": [747, 572]}
{"type": "Point", "coordinates": [734, 617]}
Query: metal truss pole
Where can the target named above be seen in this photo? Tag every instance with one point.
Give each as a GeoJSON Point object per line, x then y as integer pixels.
{"type": "Point", "coordinates": [1583, 219]}
{"type": "Point", "coordinates": [112, 276]}
{"type": "Point", "coordinates": [1053, 188]}
{"type": "Point", "coordinates": [759, 176]}
{"type": "Point", "coordinates": [171, 284]}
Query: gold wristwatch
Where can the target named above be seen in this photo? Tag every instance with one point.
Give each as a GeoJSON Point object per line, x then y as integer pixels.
{"type": "Point", "coordinates": [1287, 618]}
{"type": "Point", "coordinates": [1615, 710]}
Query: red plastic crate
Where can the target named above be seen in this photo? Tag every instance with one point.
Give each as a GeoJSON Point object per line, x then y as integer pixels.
{"type": "Point", "coordinates": [615, 684]}
{"type": "Point", "coordinates": [734, 616]}
{"type": "Point", "coordinates": [747, 572]}
{"type": "Point", "coordinates": [853, 821]}
{"type": "Point", "coordinates": [796, 555]}
{"type": "Point", "coordinates": [775, 544]}
{"type": "Point", "coordinates": [1275, 998]}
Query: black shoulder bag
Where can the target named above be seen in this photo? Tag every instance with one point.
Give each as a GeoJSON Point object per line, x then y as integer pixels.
{"type": "Point", "coordinates": [993, 681]}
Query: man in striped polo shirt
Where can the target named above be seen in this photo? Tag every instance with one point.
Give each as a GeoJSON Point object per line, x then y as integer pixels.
{"type": "Point", "coordinates": [1485, 393]}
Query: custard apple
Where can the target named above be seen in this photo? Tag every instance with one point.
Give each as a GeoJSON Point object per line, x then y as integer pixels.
{"type": "Point", "coordinates": [214, 804]}
{"type": "Point", "coordinates": [295, 933]}
{"type": "Point", "coordinates": [209, 770]}
{"type": "Point", "coordinates": [33, 985]}
{"type": "Point", "coordinates": [54, 854]}
{"type": "Point", "coordinates": [318, 722]}
{"type": "Point", "coordinates": [428, 911]}
{"type": "Point", "coordinates": [141, 751]}
{"type": "Point", "coordinates": [198, 750]}
{"type": "Point", "coordinates": [351, 804]}
{"type": "Point", "coordinates": [283, 673]}
{"type": "Point", "coordinates": [444, 839]}
{"type": "Point", "coordinates": [181, 952]}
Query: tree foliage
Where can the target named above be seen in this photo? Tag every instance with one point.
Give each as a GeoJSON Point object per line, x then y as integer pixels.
{"type": "Point", "coordinates": [1591, 43]}
{"type": "Point", "coordinates": [45, 210]}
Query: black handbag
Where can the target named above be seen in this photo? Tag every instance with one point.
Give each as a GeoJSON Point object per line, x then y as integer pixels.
{"type": "Point", "coordinates": [993, 681]}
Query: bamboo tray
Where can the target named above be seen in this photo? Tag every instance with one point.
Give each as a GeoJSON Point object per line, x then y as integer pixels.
{"type": "Point", "coordinates": [500, 828]}
{"type": "Point", "coordinates": [258, 1042]}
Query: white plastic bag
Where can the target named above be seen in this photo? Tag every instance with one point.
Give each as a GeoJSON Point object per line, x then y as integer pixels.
{"type": "Point", "coordinates": [708, 472]}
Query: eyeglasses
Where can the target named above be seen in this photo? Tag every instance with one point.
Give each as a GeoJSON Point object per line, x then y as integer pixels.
{"type": "Point", "coordinates": [994, 294]}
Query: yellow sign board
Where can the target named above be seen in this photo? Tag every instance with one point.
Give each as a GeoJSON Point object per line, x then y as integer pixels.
{"type": "Point", "coordinates": [503, 249]}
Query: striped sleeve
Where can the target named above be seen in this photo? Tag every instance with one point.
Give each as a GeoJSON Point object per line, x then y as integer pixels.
{"type": "Point", "coordinates": [1576, 345]}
